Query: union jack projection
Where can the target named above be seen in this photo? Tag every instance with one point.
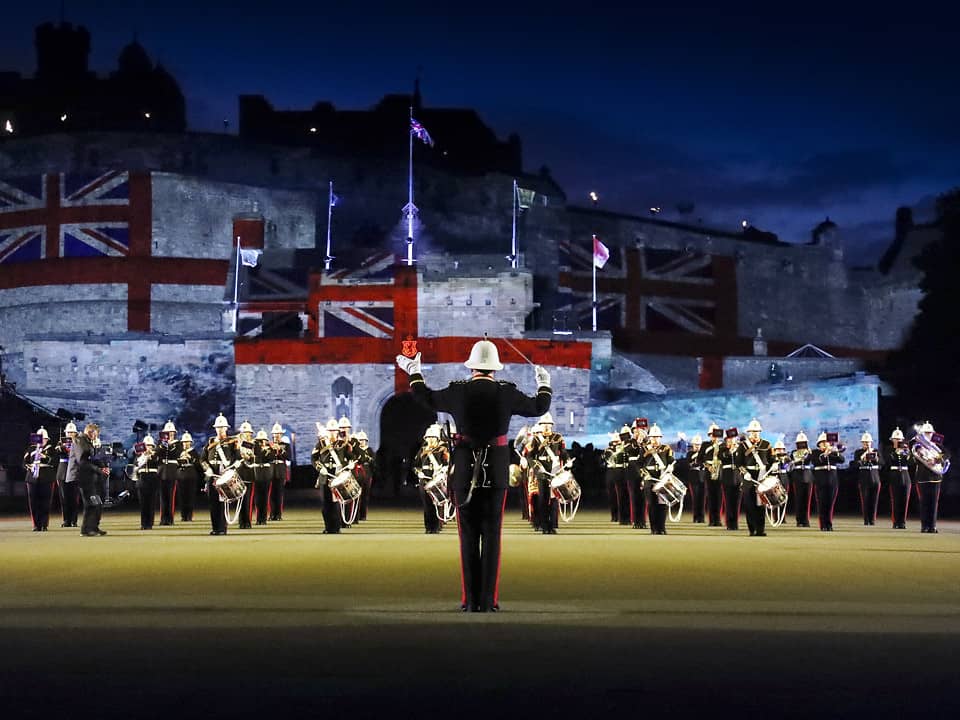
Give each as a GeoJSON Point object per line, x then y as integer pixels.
{"type": "Point", "coordinates": [365, 314]}
{"type": "Point", "coordinates": [64, 215]}
{"type": "Point", "coordinates": [645, 290]}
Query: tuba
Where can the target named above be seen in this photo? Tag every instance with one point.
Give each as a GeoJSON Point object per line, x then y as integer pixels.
{"type": "Point", "coordinates": [927, 453]}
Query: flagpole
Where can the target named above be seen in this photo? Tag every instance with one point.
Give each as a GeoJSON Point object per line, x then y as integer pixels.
{"type": "Point", "coordinates": [328, 258]}
{"type": "Point", "coordinates": [236, 287]}
{"type": "Point", "coordinates": [513, 241]}
{"type": "Point", "coordinates": [593, 264]}
{"type": "Point", "coordinates": [410, 206]}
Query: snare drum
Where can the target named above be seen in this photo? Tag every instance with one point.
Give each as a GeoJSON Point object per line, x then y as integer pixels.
{"type": "Point", "coordinates": [229, 485]}
{"type": "Point", "coordinates": [346, 485]}
{"type": "Point", "coordinates": [669, 489]}
{"type": "Point", "coordinates": [771, 493]}
{"type": "Point", "coordinates": [565, 487]}
{"type": "Point", "coordinates": [436, 487]}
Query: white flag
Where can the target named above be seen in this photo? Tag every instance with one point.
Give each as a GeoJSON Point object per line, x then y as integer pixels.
{"type": "Point", "coordinates": [249, 257]}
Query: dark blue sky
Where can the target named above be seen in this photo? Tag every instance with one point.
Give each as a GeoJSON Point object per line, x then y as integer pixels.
{"type": "Point", "coordinates": [778, 114]}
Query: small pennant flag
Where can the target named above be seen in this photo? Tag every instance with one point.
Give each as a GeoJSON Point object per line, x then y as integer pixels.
{"type": "Point", "coordinates": [249, 257]}
{"type": "Point", "coordinates": [421, 132]}
{"type": "Point", "coordinates": [600, 253]}
{"type": "Point", "coordinates": [334, 199]}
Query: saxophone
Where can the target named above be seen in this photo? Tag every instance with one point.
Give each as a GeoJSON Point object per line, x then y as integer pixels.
{"type": "Point", "coordinates": [714, 465]}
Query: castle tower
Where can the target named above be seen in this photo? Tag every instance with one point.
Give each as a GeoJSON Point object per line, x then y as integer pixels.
{"type": "Point", "coordinates": [63, 52]}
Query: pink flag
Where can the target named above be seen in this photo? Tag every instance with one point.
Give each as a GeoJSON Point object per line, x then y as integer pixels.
{"type": "Point", "coordinates": [600, 253]}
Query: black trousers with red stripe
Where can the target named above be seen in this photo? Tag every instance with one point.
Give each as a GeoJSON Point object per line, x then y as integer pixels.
{"type": "Point", "coordinates": [480, 523]}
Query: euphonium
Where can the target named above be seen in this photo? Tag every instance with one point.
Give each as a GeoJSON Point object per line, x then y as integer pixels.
{"type": "Point", "coordinates": [927, 452]}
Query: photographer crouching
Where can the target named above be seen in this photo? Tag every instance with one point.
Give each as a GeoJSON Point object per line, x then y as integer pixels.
{"type": "Point", "coordinates": [88, 468]}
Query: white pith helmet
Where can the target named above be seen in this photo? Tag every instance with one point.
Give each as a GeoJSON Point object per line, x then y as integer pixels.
{"type": "Point", "coordinates": [332, 425]}
{"type": "Point", "coordinates": [625, 430]}
{"type": "Point", "coordinates": [866, 437]}
{"type": "Point", "coordinates": [277, 429]}
{"type": "Point", "coordinates": [169, 427]}
{"type": "Point", "coordinates": [220, 422]}
{"type": "Point", "coordinates": [778, 445]}
{"type": "Point", "coordinates": [433, 431]}
{"type": "Point", "coordinates": [802, 437]}
{"type": "Point", "coordinates": [927, 427]}
{"type": "Point", "coordinates": [822, 437]}
{"type": "Point", "coordinates": [754, 426]}
{"type": "Point", "coordinates": [148, 440]}
{"type": "Point", "coordinates": [261, 435]}
{"type": "Point", "coordinates": [344, 423]}
{"type": "Point", "coordinates": [546, 419]}
{"type": "Point", "coordinates": [897, 434]}
{"type": "Point", "coordinates": [681, 436]}
{"type": "Point", "coordinates": [713, 426]}
{"type": "Point", "coordinates": [42, 432]}
{"type": "Point", "coordinates": [186, 437]}
{"type": "Point", "coordinates": [360, 435]}
{"type": "Point", "coordinates": [484, 356]}
{"type": "Point", "coordinates": [245, 426]}
{"type": "Point", "coordinates": [655, 431]}
{"type": "Point", "coordinates": [70, 428]}
{"type": "Point", "coordinates": [697, 440]}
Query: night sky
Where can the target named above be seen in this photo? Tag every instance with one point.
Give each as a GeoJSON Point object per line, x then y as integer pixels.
{"type": "Point", "coordinates": [780, 115]}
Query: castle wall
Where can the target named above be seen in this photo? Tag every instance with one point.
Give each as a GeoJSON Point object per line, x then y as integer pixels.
{"type": "Point", "coordinates": [116, 381]}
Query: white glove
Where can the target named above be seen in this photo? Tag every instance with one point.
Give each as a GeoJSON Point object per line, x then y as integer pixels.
{"type": "Point", "coordinates": [543, 377]}
{"type": "Point", "coordinates": [411, 366]}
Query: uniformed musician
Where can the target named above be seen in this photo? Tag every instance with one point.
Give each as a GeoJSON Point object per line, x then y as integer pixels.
{"type": "Point", "coordinates": [366, 462]}
{"type": "Point", "coordinates": [928, 481]}
{"type": "Point", "coordinates": [88, 468]}
{"type": "Point", "coordinates": [657, 459]}
{"type": "Point", "coordinates": [146, 470]}
{"type": "Point", "coordinates": [345, 438]}
{"type": "Point", "coordinates": [246, 471]}
{"type": "Point", "coordinates": [482, 408]}
{"type": "Point", "coordinates": [801, 479]}
{"type": "Point", "coordinates": [696, 478]}
{"type": "Point", "coordinates": [168, 457]}
{"type": "Point", "coordinates": [262, 474]}
{"type": "Point", "coordinates": [753, 460]}
{"type": "Point", "coordinates": [867, 461]}
{"type": "Point", "coordinates": [189, 472]}
{"type": "Point", "coordinates": [899, 465]}
{"type": "Point", "coordinates": [279, 470]}
{"type": "Point", "coordinates": [635, 449]}
{"type": "Point", "coordinates": [219, 455]}
{"type": "Point", "coordinates": [40, 461]}
{"type": "Point", "coordinates": [730, 479]}
{"type": "Point", "coordinates": [547, 456]}
{"type": "Point", "coordinates": [69, 491]}
{"type": "Point", "coordinates": [615, 462]}
{"type": "Point", "coordinates": [433, 457]}
{"type": "Point", "coordinates": [709, 459]}
{"type": "Point", "coordinates": [826, 460]}
{"type": "Point", "coordinates": [330, 457]}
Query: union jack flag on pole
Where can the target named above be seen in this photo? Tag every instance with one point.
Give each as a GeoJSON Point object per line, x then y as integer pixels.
{"type": "Point", "coordinates": [421, 132]}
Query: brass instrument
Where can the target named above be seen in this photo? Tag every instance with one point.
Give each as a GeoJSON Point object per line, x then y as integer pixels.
{"type": "Point", "coordinates": [931, 456]}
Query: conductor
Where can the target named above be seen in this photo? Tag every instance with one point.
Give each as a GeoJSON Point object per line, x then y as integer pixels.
{"type": "Point", "coordinates": [482, 407]}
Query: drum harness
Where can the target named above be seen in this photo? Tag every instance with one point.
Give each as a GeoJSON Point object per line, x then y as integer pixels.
{"type": "Point", "coordinates": [355, 504]}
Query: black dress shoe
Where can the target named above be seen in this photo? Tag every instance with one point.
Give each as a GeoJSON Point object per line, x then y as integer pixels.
{"type": "Point", "coordinates": [101, 532]}
{"type": "Point", "coordinates": [760, 534]}
{"type": "Point", "coordinates": [44, 528]}
{"type": "Point", "coordinates": [36, 529]}
{"type": "Point", "coordinates": [64, 524]}
{"type": "Point", "coordinates": [90, 534]}
{"type": "Point", "coordinates": [73, 524]}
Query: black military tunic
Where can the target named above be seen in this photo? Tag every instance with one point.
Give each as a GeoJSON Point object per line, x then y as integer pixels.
{"type": "Point", "coordinates": [329, 460]}
{"type": "Point", "coordinates": [654, 463]}
{"type": "Point", "coordinates": [801, 484]}
{"type": "Point", "coordinates": [546, 456]}
{"type": "Point", "coordinates": [41, 475]}
{"type": "Point", "coordinates": [262, 476]}
{"type": "Point", "coordinates": [752, 459]}
{"type": "Point", "coordinates": [189, 472]}
{"type": "Point", "coordinates": [427, 461]}
{"type": "Point", "coordinates": [638, 502]}
{"type": "Point", "coordinates": [278, 478]}
{"type": "Point", "coordinates": [825, 465]}
{"type": "Point", "coordinates": [148, 485]}
{"type": "Point", "coordinates": [899, 464]}
{"type": "Point", "coordinates": [217, 457]}
{"type": "Point", "coordinates": [168, 467]}
{"type": "Point", "coordinates": [69, 491]}
{"type": "Point", "coordinates": [695, 476]}
{"type": "Point", "coordinates": [868, 465]}
{"type": "Point", "coordinates": [615, 463]}
{"type": "Point", "coordinates": [731, 486]}
{"type": "Point", "coordinates": [482, 408]}
{"type": "Point", "coordinates": [86, 468]}
{"type": "Point", "coordinates": [364, 472]}
{"type": "Point", "coordinates": [709, 457]}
